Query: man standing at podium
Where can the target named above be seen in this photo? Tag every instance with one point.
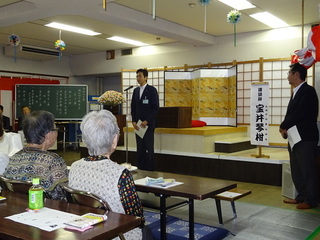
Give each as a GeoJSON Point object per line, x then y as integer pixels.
{"type": "Point", "coordinates": [144, 109]}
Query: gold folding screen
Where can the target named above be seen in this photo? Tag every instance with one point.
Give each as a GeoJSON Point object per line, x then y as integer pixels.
{"type": "Point", "coordinates": [274, 72]}
{"type": "Point", "coordinates": [210, 92]}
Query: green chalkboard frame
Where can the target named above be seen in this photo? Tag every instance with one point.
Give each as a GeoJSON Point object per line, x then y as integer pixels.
{"type": "Point", "coordinates": [64, 101]}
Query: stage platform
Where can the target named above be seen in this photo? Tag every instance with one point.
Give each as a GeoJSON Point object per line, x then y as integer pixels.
{"type": "Point", "coordinates": [190, 140]}
{"type": "Point", "coordinates": [191, 151]}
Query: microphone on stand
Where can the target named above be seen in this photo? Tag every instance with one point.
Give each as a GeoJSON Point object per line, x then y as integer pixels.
{"type": "Point", "coordinates": [128, 88]}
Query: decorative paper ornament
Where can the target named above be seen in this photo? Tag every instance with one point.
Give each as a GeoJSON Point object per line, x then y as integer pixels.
{"type": "Point", "coordinates": [204, 2]}
{"type": "Point", "coordinates": [311, 54]}
{"type": "Point", "coordinates": [14, 40]}
{"type": "Point", "coordinates": [234, 17]}
{"type": "Point", "coordinates": [60, 45]}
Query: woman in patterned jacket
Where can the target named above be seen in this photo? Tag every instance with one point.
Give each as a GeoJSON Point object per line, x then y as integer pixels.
{"type": "Point", "coordinates": [101, 176]}
{"type": "Point", "coordinates": [34, 161]}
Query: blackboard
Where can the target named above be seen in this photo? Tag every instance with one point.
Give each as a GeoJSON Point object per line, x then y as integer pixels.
{"type": "Point", "coordinates": [65, 102]}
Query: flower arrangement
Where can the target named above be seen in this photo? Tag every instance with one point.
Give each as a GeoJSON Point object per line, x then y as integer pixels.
{"type": "Point", "coordinates": [111, 98]}
{"type": "Point", "coordinates": [234, 16]}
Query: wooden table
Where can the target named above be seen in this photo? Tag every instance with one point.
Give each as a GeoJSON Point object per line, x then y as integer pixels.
{"type": "Point", "coordinates": [17, 203]}
{"type": "Point", "coordinates": [193, 188]}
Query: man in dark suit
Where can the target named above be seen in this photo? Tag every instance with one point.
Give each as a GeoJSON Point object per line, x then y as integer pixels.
{"type": "Point", "coordinates": [144, 107]}
{"type": "Point", "coordinates": [25, 110]}
{"type": "Point", "coordinates": [302, 113]}
{"type": "Point", "coordinates": [5, 120]}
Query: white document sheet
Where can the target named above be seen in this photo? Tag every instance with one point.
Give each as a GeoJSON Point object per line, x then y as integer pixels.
{"type": "Point", "coordinates": [143, 182]}
{"type": "Point", "coordinates": [293, 136]}
{"type": "Point", "coordinates": [229, 194]}
{"type": "Point", "coordinates": [45, 218]}
{"type": "Point", "coordinates": [141, 130]}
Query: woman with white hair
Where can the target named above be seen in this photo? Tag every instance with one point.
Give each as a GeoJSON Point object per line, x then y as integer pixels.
{"type": "Point", "coordinates": [101, 176]}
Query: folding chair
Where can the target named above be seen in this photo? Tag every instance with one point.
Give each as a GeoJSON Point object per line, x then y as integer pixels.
{"type": "Point", "coordinates": [17, 186]}
{"type": "Point", "coordinates": [87, 199]}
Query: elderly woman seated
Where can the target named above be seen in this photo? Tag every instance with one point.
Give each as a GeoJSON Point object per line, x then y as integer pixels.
{"type": "Point", "coordinates": [34, 161]}
{"type": "Point", "coordinates": [101, 176]}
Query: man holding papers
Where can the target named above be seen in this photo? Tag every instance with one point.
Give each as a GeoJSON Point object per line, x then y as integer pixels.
{"type": "Point", "coordinates": [144, 109]}
{"type": "Point", "coordinates": [300, 127]}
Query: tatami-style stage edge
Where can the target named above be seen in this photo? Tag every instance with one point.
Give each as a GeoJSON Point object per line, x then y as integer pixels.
{"type": "Point", "coordinates": [239, 166]}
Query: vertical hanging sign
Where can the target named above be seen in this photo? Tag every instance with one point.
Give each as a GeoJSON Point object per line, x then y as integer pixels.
{"type": "Point", "coordinates": [259, 114]}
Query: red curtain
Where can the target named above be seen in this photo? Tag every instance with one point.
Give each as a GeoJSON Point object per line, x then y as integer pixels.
{"type": "Point", "coordinates": [8, 83]}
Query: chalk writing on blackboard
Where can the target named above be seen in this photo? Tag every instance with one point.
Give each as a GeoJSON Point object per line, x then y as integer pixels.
{"type": "Point", "coordinates": [65, 102]}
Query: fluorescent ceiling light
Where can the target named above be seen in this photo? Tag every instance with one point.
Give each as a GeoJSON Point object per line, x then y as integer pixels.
{"type": "Point", "coordinates": [238, 4]}
{"type": "Point", "coordinates": [269, 19]}
{"type": "Point", "coordinates": [72, 29]}
{"type": "Point", "coordinates": [126, 40]}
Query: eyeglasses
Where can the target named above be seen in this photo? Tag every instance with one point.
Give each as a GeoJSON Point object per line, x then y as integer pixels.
{"type": "Point", "coordinates": [290, 72]}
{"type": "Point", "coordinates": [55, 129]}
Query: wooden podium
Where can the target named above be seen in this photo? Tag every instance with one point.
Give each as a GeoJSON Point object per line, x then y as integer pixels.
{"type": "Point", "coordinates": [174, 117]}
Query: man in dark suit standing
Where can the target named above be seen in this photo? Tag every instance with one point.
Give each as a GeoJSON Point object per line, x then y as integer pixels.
{"type": "Point", "coordinates": [5, 120]}
{"type": "Point", "coordinates": [302, 113]}
{"type": "Point", "coordinates": [144, 107]}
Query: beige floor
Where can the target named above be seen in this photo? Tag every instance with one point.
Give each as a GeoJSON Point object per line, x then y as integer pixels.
{"type": "Point", "coordinates": [266, 194]}
{"type": "Point", "coordinates": [258, 217]}
{"type": "Point", "coordinates": [261, 194]}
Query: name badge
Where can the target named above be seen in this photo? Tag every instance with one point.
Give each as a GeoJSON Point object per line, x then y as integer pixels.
{"type": "Point", "coordinates": [145, 101]}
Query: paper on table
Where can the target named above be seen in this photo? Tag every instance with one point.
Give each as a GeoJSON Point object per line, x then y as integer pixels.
{"type": "Point", "coordinates": [141, 130]}
{"type": "Point", "coordinates": [78, 229]}
{"type": "Point", "coordinates": [293, 136]}
{"type": "Point", "coordinates": [229, 194]}
{"type": "Point", "coordinates": [86, 220]}
{"type": "Point", "coordinates": [144, 182]}
{"type": "Point", "coordinates": [46, 219]}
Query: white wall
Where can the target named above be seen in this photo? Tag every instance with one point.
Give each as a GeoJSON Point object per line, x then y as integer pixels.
{"type": "Point", "coordinates": [50, 67]}
{"type": "Point", "coordinates": [267, 44]}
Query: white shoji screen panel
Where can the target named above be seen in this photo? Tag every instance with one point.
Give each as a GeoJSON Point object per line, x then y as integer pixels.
{"type": "Point", "coordinates": [274, 72]}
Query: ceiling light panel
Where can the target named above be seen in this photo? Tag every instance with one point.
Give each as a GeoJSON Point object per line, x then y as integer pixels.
{"type": "Point", "coordinates": [238, 4]}
{"type": "Point", "coordinates": [126, 40]}
{"type": "Point", "coordinates": [269, 19]}
{"type": "Point", "coordinates": [72, 29]}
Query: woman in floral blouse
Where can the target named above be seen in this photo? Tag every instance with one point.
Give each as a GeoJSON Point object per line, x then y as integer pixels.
{"type": "Point", "coordinates": [101, 176]}
{"type": "Point", "coordinates": [34, 161]}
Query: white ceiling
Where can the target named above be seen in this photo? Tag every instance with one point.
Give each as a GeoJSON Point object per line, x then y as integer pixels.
{"type": "Point", "coordinates": [174, 21]}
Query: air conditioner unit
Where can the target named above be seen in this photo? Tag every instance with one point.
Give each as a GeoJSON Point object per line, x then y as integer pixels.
{"type": "Point", "coordinates": [31, 52]}
{"type": "Point", "coordinates": [288, 188]}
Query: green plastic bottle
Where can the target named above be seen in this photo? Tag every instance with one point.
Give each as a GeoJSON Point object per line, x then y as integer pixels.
{"type": "Point", "coordinates": [35, 195]}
